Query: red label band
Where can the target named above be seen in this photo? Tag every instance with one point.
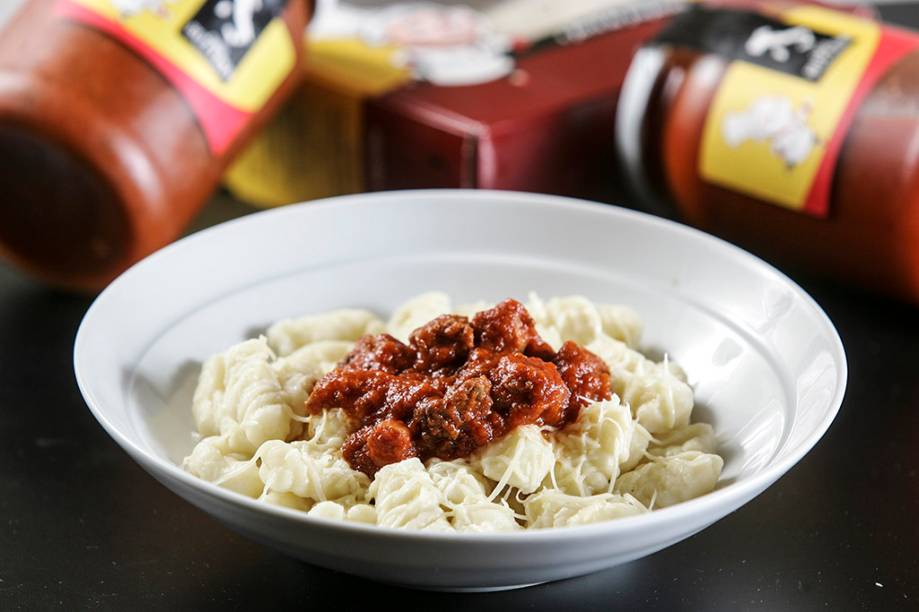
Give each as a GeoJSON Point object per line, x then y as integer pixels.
{"type": "Point", "coordinates": [893, 46]}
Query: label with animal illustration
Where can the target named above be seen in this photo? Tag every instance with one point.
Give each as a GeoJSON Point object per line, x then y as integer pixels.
{"type": "Point", "coordinates": [226, 57]}
{"type": "Point", "coordinates": [777, 122]}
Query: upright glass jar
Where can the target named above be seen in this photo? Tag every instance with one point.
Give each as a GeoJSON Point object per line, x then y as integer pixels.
{"type": "Point", "coordinates": [117, 118]}
{"type": "Point", "coordinates": [792, 131]}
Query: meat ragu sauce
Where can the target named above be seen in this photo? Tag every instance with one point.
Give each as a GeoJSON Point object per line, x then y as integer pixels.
{"type": "Point", "coordinates": [456, 386]}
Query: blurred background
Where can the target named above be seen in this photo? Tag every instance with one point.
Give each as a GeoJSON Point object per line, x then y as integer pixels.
{"type": "Point", "coordinates": [588, 99]}
{"type": "Point", "coordinates": [8, 8]}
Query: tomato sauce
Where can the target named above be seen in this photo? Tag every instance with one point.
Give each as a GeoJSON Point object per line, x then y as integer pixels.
{"type": "Point", "coordinates": [457, 385]}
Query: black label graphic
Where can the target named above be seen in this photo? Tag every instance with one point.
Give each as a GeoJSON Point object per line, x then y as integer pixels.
{"type": "Point", "coordinates": [224, 30]}
{"type": "Point", "coordinates": [755, 38]}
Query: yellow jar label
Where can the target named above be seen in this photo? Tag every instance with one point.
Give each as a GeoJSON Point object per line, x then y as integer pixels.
{"type": "Point", "coordinates": [767, 131]}
{"type": "Point", "coordinates": [777, 122]}
{"type": "Point", "coordinates": [226, 57]}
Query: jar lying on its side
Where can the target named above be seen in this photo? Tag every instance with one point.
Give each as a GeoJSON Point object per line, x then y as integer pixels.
{"type": "Point", "coordinates": [117, 120]}
{"type": "Point", "coordinates": [793, 132]}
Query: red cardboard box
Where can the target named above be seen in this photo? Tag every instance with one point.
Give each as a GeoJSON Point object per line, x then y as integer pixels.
{"type": "Point", "coordinates": [547, 127]}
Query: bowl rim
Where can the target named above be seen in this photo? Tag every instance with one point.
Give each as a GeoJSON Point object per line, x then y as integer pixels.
{"type": "Point", "coordinates": [729, 497]}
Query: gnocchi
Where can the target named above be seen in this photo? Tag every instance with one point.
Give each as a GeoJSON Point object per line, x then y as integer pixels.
{"type": "Point", "coordinates": [622, 456]}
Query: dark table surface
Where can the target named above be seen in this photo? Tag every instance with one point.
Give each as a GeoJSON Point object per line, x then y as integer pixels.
{"type": "Point", "coordinates": [82, 526]}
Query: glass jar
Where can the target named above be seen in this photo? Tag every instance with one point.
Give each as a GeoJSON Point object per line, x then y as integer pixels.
{"type": "Point", "coordinates": [118, 117]}
{"type": "Point", "coordinates": [793, 132]}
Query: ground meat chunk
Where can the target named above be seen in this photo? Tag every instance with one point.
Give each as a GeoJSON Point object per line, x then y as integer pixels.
{"type": "Point", "coordinates": [381, 352]}
{"type": "Point", "coordinates": [528, 390]}
{"type": "Point", "coordinates": [405, 392]}
{"type": "Point", "coordinates": [585, 374]}
{"type": "Point", "coordinates": [470, 398]}
{"type": "Point", "coordinates": [457, 424]}
{"type": "Point", "coordinates": [390, 441]}
{"type": "Point", "coordinates": [444, 342]}
{"type": "Point", "coordinates": [507, 327]}
{"type": "Point", "coordinates": [373, 446]}
{"type": "Point", "coordinates": [355, 452]}
{"type": "Point", "coordinates": [360, 393]}
{"type": "Point", "coordinates": [480, 363]}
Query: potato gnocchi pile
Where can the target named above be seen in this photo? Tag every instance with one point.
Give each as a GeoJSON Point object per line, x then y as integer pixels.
{"type": "Point", "coordinates": [622, 457]}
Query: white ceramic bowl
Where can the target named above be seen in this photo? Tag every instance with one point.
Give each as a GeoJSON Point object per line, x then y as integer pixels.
{"type": "Point", "coordinates": [767, 366]}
